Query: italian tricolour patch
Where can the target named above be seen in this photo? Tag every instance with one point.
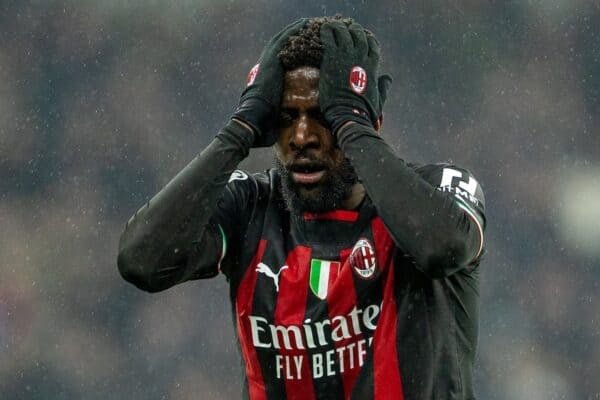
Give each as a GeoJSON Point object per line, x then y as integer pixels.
{"type": "Point", "coordinates": [322, 273]}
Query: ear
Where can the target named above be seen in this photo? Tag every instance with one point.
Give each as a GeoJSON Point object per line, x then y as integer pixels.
{"type": "Point", "coordinates": [383, 84]}
{"type": "Point", "coordinates": [378, 123]}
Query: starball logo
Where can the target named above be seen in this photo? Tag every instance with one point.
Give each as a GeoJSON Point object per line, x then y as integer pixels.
{"type": "Point", "coordinates": [351, 335]}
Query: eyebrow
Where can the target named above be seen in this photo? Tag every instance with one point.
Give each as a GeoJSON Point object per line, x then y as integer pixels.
{"type": "Point", "coordinates": [311, 110]}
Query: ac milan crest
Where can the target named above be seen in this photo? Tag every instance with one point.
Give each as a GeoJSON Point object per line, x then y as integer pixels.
{"type": "Point", "coordinates": [358, 79]}
{"type": "Point", "coordinates": [252, 75]}
{"type": "Point", "coordinates": [363, 260]}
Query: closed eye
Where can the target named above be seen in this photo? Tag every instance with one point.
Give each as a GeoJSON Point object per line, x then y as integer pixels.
{"type": "Point", "coordinates": [287, 116]}
{"type": "Point", "coordinates": [317, 115]}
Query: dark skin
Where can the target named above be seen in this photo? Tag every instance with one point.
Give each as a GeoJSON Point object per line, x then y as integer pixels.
{"type": "Point", "coordinates": [305, 145]}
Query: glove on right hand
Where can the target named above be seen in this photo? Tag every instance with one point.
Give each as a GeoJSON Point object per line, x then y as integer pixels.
{"type": "Point", "coordinates": [260, 100]}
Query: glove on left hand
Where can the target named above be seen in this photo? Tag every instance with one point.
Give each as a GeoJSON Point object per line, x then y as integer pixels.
{"type": "Point", "coordinates": [349, 89]}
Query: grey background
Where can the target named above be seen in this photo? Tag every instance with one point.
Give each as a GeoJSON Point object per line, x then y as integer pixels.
{"type": "Point", "coordinates": [101, 102]}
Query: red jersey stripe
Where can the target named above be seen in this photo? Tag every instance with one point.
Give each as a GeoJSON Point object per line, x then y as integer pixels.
{"type": "Point", "coordinates": [343, 294]}
{"type": "Point", "coordinates": [290, 310]}
{"type": "Point", "coordinates": [338, 215]}
{"type": "Point", "coordinates": [387, 384]}
{"type": "Point", "coordinates": [245, 294]}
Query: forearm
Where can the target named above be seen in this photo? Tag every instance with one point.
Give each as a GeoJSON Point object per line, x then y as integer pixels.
{"type": "Point", "coordinates": [163, 243]}
{"type": "Point", "coordinates": [424, 222]}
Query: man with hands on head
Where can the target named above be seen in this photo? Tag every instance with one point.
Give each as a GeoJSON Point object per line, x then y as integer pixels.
{"type": "Point", "coordinates": [353, 275]}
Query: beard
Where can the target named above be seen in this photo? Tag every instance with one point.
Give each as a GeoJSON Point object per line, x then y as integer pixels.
{"type": "Point", "coordinates": [326, 195]}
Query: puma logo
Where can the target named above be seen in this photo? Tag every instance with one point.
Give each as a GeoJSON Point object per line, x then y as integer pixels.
{"type": "Point", "coordinates": [265, 269]}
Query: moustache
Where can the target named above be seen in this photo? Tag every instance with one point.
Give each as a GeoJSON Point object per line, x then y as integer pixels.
{"type": "Point", "coordinates": [305, 159]}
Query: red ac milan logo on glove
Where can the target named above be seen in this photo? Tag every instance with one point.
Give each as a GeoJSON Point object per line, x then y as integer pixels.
{"type": "Point", "coordinates": [358, 79]}
{"type": "Point", "coordinates": [363, 260]}
{"type": "Point", "coordinates": [252, 75]}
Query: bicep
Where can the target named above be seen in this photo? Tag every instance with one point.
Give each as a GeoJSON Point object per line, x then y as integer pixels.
{"type": "Point", "coordinates": [467, 194]}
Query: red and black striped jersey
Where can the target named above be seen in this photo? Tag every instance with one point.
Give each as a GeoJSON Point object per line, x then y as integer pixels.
{"type": "Point", "coordinates": [327, 306]}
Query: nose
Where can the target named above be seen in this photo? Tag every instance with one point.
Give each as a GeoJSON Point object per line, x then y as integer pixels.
{"type": "Point", "coordinates": [303, 136]}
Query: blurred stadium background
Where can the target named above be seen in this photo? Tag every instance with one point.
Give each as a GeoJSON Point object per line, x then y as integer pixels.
{"type": "Point", "coordinates": [101, 102]}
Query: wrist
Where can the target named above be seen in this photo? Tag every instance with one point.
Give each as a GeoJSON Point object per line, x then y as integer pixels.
{"type": "Point", "coordinates": [236, 132]}
{"type": "Point", "coordinates": [351, 131]}
{"type": "Point", "coordinates": [244, 125]}
{"type": "Point", "coordinates": [339, 117]}
{"type": "Point", "coordinates": [255, 113]}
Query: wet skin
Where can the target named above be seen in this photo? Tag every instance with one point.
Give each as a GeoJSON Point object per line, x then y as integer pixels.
{"type": "Point", "coordinates": [313, 167]}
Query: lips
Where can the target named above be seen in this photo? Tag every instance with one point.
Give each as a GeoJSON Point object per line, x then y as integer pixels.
{"type": "Point", "coordinates": [307, 173]}
{"type": "Point", "coordinates": [307, 178]}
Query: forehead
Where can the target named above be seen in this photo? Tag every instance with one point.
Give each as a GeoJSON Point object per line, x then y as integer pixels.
{"type": "Point", "coordinates": [301, 85]}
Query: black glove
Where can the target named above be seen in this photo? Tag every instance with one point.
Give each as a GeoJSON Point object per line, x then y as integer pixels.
{"type": "Point", "coordinates": [259, 103]}
{"type": "Point", "coordinates": [349, 89]}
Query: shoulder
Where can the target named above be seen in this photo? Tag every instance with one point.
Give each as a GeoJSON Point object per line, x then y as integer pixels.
{"type": "Point", "coordinates": [244, 180]}
{"type": "Point", "coordinates": [243, 196]}
{"type": "Point", "coordinates": [245, 185]}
